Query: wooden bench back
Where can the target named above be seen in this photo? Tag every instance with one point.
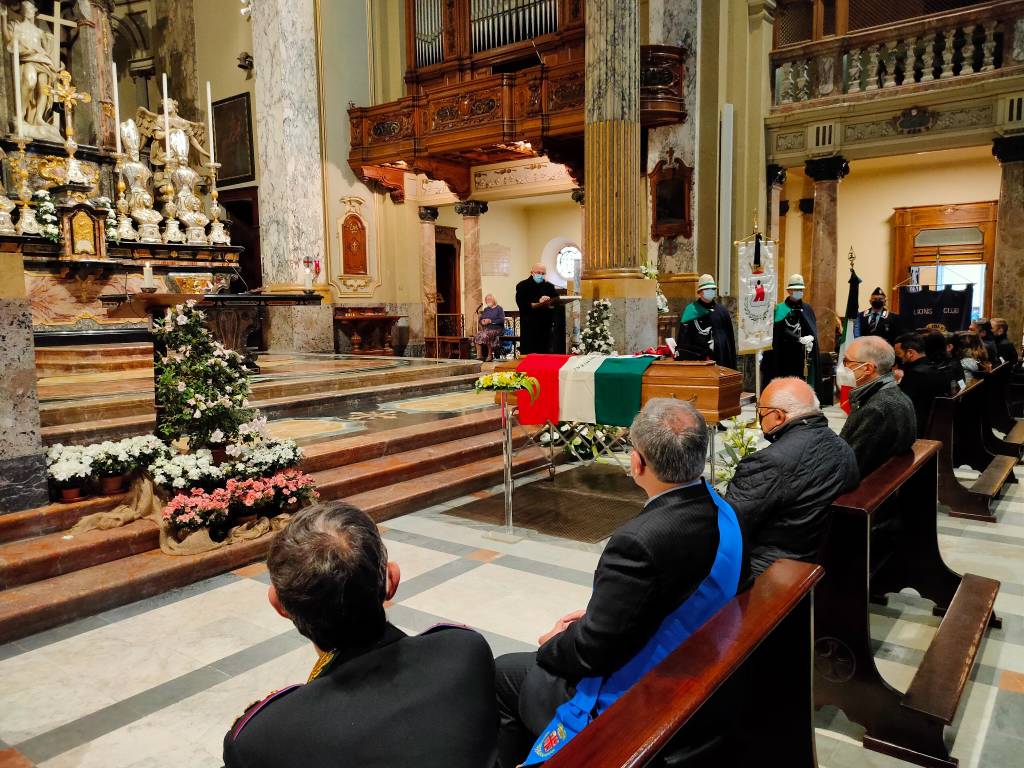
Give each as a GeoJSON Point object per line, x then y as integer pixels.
{"type": "Point", "coordinates": [642, 722]}
{"type": "Point", "coordinates": [884, 483]}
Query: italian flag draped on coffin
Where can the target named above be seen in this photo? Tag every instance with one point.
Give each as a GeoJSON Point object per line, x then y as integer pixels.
{"type": "Point", "coordinates": [593, 389]}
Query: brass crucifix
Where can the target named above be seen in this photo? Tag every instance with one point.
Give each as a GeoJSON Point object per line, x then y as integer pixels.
{"type": "Point", "coordinates": [66, 94]}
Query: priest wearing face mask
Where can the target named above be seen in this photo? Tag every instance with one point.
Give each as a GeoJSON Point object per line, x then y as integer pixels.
{"type": "Point", "coordinates": [536, 299]}
{"type": "Point", "coordinates": [782, 493]}
{"type": "Point", "coordinates": [705, 331]}
{"type": "Point", "coordinates": [882, 421]}
{"type": "Point", "coordinates": [794, 337]}
{"type": "Point", "coordinates": [878, 320]}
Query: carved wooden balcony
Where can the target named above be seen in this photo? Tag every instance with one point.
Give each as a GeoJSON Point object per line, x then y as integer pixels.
{"type": "Point", "coordinates": [444, 130]}
{"type": "Point", "coordinates": [966, 46]}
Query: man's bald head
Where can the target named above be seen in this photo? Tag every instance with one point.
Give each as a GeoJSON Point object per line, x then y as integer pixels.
{"type": "Point", "coordinates": [538, 269]}
{"type": "Point", "coordinates": [791, 395]}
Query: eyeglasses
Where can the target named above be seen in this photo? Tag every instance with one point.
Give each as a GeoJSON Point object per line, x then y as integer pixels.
{"type": "Point", "coordinates": [767, 408]}
{"type": "Point", "coordinates": [848, 362]}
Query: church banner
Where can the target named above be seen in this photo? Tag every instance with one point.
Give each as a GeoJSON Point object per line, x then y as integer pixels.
{"type": "Point", "coordinates": [757, 293]}
{"type": "Point", "coordinates": [951, 308]}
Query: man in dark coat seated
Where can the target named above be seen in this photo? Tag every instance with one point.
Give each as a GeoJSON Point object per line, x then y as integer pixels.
{"type": "Point", "coordinates": [794, 338]}
{"type": "Point", "coordinates": [921, 378]}
{"type": "Point", "coordinates": [882, 423]}
{"type": "Point", "coordinates": [1004, 347]}
{"type": "Point", "coordinates": [782, 493]}
{"type": "Point", "coordinates": [536, 299]}
{"type": "Point", "coordinates": [660, 577]}
{"type": "Point", "coordinates": [375, 696]}
{"type": "Point", "coordinates": [705, 330]}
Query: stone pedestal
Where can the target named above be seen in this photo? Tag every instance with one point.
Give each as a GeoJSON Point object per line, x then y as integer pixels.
{"type": "Point", "coordinates": [428, 268]}
{"type": "Point", "coordinates": [300, 329]}
{"type": "Point", "coordinates": [612, 257]}
{"type": "Point", "coordinates": [821, 294]}
{"type": "Point", "coordinates": [472, 276]}
{"type": "Point", "coordinates": [1008, 273]}
{"type": "Point", "coordinates": [22, 459]}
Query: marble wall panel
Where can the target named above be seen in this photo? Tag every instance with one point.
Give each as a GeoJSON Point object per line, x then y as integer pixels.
{"type": "Point", "coordinates": [301, 329]}
{"type": "Point", "coordinates": [1008, 275]}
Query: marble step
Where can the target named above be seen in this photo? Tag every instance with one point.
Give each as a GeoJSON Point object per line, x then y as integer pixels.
{"type": "Point", "coordinates": [53, 517]}
{"type": "Point", "coordinates": [71, 353]}
{"type": "Point", "coordinates": [31, 608]}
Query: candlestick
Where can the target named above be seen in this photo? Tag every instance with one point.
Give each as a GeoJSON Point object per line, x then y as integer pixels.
{"type": "Point", "coordinates": [209, 119]}
{"type": "Point", "coordinates": [167, 120]}
{"type": "Point", "coordinates": [147, 276]}
{"type": "Point", "coordinates": [307, 280]}
{"type": "Point", "coordinates": [17, 88]}
{"type": "Point", "coordinates": [117, 109]}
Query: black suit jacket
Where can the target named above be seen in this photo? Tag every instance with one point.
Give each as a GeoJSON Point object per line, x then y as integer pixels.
{"type": "Point", "coordinates": [650, 566]}
{"type": "Point", "coordinates": [923, 381]}
{"type": "Point", "coordinates": [424, 701]}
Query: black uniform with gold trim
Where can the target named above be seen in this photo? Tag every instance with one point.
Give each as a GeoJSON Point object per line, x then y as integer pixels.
{"type": "Point", "coordinates": [425, 701]}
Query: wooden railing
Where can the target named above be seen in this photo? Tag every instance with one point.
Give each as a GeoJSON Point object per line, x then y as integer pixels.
{"type": "Point", "coordinates": [981, 39]}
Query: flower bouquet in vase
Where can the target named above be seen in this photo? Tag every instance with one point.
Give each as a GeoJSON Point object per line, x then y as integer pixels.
{"type": "Point", "coordinates": [69, 467]}
{"type": "Point", "coordinates": [508, 381]}
{"type": "Point", "coordinates": [112, 463]}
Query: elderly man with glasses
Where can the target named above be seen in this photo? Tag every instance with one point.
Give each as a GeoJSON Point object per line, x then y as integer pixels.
{"type": "Point", "coordinates": [782, 493]}
{"type": "Point", "coordinates": [882, 421]}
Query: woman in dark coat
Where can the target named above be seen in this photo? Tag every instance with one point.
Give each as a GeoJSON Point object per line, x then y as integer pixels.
{"type": "Point", "coordinates": [492, 326]}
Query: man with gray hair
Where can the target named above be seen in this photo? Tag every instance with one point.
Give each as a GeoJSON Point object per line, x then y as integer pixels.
{"type": "Point", "coordinates": [661, 576]}
{"type": "Point", "coordinates": [782, 493]}
{"type": "Point", "coordinates": [882, 421]}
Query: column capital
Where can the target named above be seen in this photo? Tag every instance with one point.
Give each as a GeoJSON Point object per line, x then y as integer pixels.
{"type": "Point", "coordinates": [762, 9]}
{"type": "Point", "coordinates": [579, 195]}
{"type": "Point", "coordinates": [471, 208]}
{"type": "Point", "coordinates": [776, 175]}
{"type": "Point", "coordinates": [784, 207]}
{"type": "Point", "coordinates": [428, 213]}
{"type": "Point", "coordinates": [1008, 149]}
{"type": "Point", "coordinates": [806, 205]}
{"type": "Point", "coordinates": [827, 168]}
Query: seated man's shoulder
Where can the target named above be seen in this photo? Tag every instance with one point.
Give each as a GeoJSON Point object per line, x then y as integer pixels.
{"type": "Point", "coordinates": [456, 636]}
{"type": "Point", "coordinates": [265, 709]}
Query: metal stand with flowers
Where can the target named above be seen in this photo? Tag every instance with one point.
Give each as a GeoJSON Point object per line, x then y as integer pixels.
{"type": "Point", "coordinates": [506, 383]}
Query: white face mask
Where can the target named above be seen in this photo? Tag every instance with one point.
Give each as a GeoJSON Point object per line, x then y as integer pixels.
{"type": "Point", "coordinates": [846, 377]}
{"type": "Point", "coordinates": [709, 294]}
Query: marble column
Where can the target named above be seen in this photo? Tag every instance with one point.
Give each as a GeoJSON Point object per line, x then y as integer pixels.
{"type": "Point", "coordinates": [93, 52]}
{"type": "Point", "coordinates": [781, 266]}
{"type": "Point", "coordinates": [175, 37]}
{"type": "Point", "coordinates": [1008, 271]}
{"type": "Point", "coordinates": [428, 268]}
{"type": "Point", "coordinates": [22, 459]}
{"type": "Point", "coordinates": [776, 180]}
{"type": "Point", "coordinates": [806, 208]}
{"type": "Point", "coordinates": [827, 172]}
{"type": "Point", "coordinates": [611, 146]}
{"type": "Point", "coordinates": [472, 280]}
{"type": "Point", "coordinates": [291, 175]}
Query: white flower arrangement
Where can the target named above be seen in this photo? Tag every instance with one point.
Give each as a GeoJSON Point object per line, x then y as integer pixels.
{"type": "Point", "coordinates": [191, 470]}
{"type": "Point", "coordinates": [47, 215]}
{"type": "Point", "coordinates": [740, 441]}
{"type": "Point", "coordinates": [110, 224]}
{"type": "Point", "coordinates": [263, 458]}
{"type": "Point", "coordinates": [596, 338]}
{"type": "Point", "coordinates": [69, 465]}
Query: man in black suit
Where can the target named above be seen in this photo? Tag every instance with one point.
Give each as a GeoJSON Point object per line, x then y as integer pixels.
{"type": "Point", "coordinates": [537, 300]}
{"type": "Point", "coordinates": [921, 378]}
{"type": "Point", "coordinates": [682, 551]}
{"type": "Point", "coordinates": [375, 696]}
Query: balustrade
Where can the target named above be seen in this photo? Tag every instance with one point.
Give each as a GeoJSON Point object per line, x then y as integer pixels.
{"type": "Point", "coordinates": [980, 40]}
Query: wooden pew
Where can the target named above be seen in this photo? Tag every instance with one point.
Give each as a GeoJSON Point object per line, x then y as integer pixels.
{"type": "Point", "coordinates": [997, 415]}
{"type": "Point", "coordinates": [764, 633]}
{"type": "Point", "coordinates": [894, 510]}
{"type": "Point", "coordinates": [957, 423]}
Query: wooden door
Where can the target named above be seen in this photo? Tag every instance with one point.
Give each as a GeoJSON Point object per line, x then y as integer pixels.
{"type": "Point", "coordinates": [243, 209]}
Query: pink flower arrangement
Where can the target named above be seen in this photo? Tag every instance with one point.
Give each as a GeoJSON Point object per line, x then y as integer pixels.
{"type": "Point", "coordinates": [198, 509]}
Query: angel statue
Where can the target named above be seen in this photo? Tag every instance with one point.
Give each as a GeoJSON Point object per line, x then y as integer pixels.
{"type": "Point", "coordinates": [189, 204]}
{"type": "Point", "coordinates": [136, 175]}
{"type": "Point", "coordinates": [38, 70]}
{"type": "Point", "coordinates": [151, 126]}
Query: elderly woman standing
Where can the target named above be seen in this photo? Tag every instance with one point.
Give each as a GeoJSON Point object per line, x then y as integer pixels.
{"type": "Point", "coordinates": [492, 326]}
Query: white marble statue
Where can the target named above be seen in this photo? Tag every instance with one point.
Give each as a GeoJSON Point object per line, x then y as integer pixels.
{"type": "Point", "coordinates": [185, 180]}
{"type": "Point", "coordinates": [39, 70]}
{"type": "Point", "coordinates": [137, 175]}
{"type": "Point", "coordinates": [151, 126]}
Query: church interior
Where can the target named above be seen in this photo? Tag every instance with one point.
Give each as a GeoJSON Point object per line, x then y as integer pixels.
{"type": "Point", "coordinates": [480, 272]}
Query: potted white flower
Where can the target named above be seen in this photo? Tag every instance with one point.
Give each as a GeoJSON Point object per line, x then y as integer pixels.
{"type": "Point", "coordinates": [111, 463]}
{"type": "Point", "coordinates": [69, 467]}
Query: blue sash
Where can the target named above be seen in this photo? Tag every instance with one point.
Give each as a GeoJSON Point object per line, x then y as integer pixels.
{"type": "Point", "coordinates": [595, 694]}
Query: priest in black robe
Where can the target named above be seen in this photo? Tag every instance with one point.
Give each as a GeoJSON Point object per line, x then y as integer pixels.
{"type": "Point", "coordinates": [537, 300]}
{"type": "Point", "coordinates": [878, 320]}
{"type": "Point", "coordinates": [705, 330]}
{"type": "Point", "coordinates": [794, 337]}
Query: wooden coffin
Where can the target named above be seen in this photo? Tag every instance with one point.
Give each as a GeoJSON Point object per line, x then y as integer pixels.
{"type": "Point", "coordinates": [714, 390]}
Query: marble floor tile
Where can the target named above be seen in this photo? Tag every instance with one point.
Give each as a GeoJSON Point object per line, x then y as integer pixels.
{"type": "Point", "coordinates": [414, 560]}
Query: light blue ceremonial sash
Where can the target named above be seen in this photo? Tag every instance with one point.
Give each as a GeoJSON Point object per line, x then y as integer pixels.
{"type": "Point", "coordinates": [595, 694]}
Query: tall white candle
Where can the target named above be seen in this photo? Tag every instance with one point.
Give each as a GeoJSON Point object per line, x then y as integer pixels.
{"type": "Point", "coordinates": [307, 280]}
{"type": "Point", "coordinates": [209, 119]}
{"type": "Point", "coordinates": [147, 276]}
{"type": "Point", "coordinates": [17, 88]}
{"type": "Point", "coordinates": [167, 120]}
{"type": "Point", "coordinates": [117, 109]}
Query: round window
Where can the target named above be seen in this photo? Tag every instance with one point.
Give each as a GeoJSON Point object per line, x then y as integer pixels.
{"type": "Point", "coordinates": [567, 262]}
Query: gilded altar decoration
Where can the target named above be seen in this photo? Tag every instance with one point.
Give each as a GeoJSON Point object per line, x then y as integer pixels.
{"type": "Point", "coordinates": [82, 235]}
{"type": "Point", "coordinates": [83, 230]}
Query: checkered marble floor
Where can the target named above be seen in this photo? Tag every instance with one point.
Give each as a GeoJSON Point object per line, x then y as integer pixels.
{"type": "Point", "coordinates": [158, 682]}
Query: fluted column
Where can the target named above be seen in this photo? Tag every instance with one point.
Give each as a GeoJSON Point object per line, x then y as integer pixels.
{"type": "Point", "coordinates": [1008, 272]}
{"type": "Point", "coordinates": [827, 173]}
{"type": "Point", "coordinates": [472, 281]}
{"type": "Point", "coordinates": [612, 258]}
{"type": "Point", "coordinates": [428, 268]}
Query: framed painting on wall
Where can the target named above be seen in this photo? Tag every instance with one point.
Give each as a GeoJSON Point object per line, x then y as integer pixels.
{"type": "Point", "coordinates": [232, 124]}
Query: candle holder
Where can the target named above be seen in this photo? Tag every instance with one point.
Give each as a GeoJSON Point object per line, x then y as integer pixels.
{"type": "Point", "coordinates": [125, 227]}
{"type": "Point", "coordinates": [28, 224]}
{"type": "Point", "coordinates": [172, 227]}
{"type": "Point", "coordinates": [148, 289]}
{"type": "Point", "coordinates": [218, 233]}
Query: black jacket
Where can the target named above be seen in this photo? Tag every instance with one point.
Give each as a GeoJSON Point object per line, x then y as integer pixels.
{"type": "Point", "coordinates": [884, 324]}
{"type": "Point", "coordinates": [923, 381]}
{"type": "Point", "coordinates": [705, 333]}
{"type": "Point", "coordinates": [407, 701]}
{"type": "Point", "coordinates": [793, 319]}
{"type": "Point", "coordinates": [649, 567]}
{"type": "Point", "coordinates": [1005, 350]}
{"type": "Point", "coordinates": [535, 324]}
{"type": "Point", "coordinates": [882, 423]}
{"type": "Point", "coordinates": [782, 493]}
